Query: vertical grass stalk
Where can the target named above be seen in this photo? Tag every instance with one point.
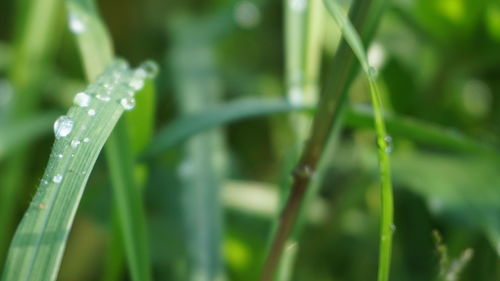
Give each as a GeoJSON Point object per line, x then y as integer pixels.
{"type": "Point", "coordinates": [384, 141]}
{"type": "Point", "coordinates": [364, 15]}
{"type": "Point", "coordinates": [303, 42]}
{"type": "Point", "coordinates": [201, 169]}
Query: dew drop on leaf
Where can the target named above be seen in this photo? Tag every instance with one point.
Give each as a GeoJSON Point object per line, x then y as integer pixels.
{"type": "Point", "coordinates": [388, 144]}
{"type": "Point", "coordinates": [76, 25]}
{"type": "Point", "coordinates": [91, 112]}
{"type": "Point", "coordinates": [57, 178]}
{"type": "Point", "coordinates": [75, 143]}
{"type": "Point", "coordinates": [127, 103]}
{"type": "Point", "coordinates": [63, 126]}
{"type": "Point", "coordinates": [104, 98]}
{"type": "Point", "coordinates": [86, 140]}
{"type": "Point", "coordinates": [82, 99]}
{"type": "Point", "coordinates": [136, 83]}
{"type": "Point", "coordinates": [150, 68]}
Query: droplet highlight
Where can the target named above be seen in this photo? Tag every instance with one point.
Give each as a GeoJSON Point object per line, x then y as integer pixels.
{"type": "Point", "coordinates": [104, 98]}
{"type": "Point", "coordinates": [127, 103]}
{"type": "Point", "coordinates": [63, 126]}
{"type": "Point", "coordinates": [57, 178]}
{"type": "Point", "coordinates": [388, 144]}
{"type": "Point", "coordinates": [75, 143]}
{"type": "Point", "coordinates": [82, 99]}
{"type": "Point", "coordinates": [150, 68]}
{"type": "Point", "coordinates": [76, 24]}
{"type": "Point", "coordinates": [91, 112]}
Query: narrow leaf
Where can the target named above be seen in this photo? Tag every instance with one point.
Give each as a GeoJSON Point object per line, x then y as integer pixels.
{"type": "Point", "coordinates": [37, 248]}
{"type": "Point", "coordinates": [383, 140]}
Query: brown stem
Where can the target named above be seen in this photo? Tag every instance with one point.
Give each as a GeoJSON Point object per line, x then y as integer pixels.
{"type": "Point", "coordinates": [327, 115]}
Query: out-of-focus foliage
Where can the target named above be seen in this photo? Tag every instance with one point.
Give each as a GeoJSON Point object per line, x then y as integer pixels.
{"type": "Point", "coordinates": [438, 63]}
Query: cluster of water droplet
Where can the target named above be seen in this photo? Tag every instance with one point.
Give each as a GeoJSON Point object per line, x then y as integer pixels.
{"type": "Point", "coordinates": [119, 79]}
{"type": "Point", "coordinates": [118, 83]}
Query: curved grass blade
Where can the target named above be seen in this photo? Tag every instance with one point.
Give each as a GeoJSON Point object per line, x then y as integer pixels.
{"type": "Point", "coordinates": [97, 50]}
{"type": "Point", "coordinates": [383, 140]}
{"type": "Point", "coordinates": [194, 123]}
{"type": "Point", "coordinates": [37, 248]}
{"type": "Point", "coordinates": [356, 117]}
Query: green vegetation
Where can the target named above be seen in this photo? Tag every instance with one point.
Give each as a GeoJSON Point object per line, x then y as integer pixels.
{"type": "Point", "coordinates": [256, 146]}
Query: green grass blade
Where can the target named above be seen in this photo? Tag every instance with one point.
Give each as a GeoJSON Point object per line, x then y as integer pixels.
{"type": "Point", "coordinates": [127, 201]}
{"type": "Point", "coordinates": [303, 46]}
{"type": "Point", "coordinates": [190, 124]}
{"type": "Point", "coordinates": [355, 117]}
{"type": "Point", "coordinates": [92, 36]}
{"type": "Point", "coordinates": [37, 248]}
{"type": "Point", "coordinates": [383, 140]}
{"type": "Point", "coordinates": [140, 123]}
{"type": "Point", "coordinates": [203, 157]}
{"type": "Point", "coordinates": [96, 49]}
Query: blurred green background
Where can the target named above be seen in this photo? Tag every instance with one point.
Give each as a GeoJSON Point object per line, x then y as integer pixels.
{"type": "Point", "coordinates": [211, 200]}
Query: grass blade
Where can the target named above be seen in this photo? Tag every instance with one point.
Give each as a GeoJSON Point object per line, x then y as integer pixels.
{"type": "Point", "coordinates": [96, 49]}
{"type": "Point", "coordinates": [127, 203]}
{"type": "Point", "coordinates": [191, 124]}
{"type": "Point", "coordinates": [38, 245]}
{"type": "Point", "coordinates": [383, 140]}
{"type": "Point", "coordinates": [203, 156]}
{"type": "Point", "coordinates": [355, 117]}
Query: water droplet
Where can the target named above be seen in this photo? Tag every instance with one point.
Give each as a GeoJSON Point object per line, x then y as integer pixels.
{"type": "Point", "coordinates": [76, 25]}
{"type": "Point", "coordinates": [298, 5]}
{"type": "Point", "coordinates": [45, 181]}
{"type": "Point", "coordinates": [75, 143]}
{"type": "Point", "coordinates": [82, 99]}
{"type": "Point", "coordinates": [121, 64]}
{"type": "Point", "coordinates": [388, 144]}
{"type": "Point", "coordinates": [150, 68]}
{"type": "Point", "coordinates": [393, 227]}
{"type": "Point", "coordinates": [86, 140]}
{"type": "Point", "coordinates": [57, 178]}
{"type": "Point", "coordinates": [127, 103]}
{"type": "Point", "coordinates": [104, 98]}
{"type": "Point", "coordinates": [63, 126]}
{"type": "Point", "coordinates": [136, 83]}
{"type": "Point", "coordinates": [91, 112]}
{"type": "Point", "coordinates": [59, 155]}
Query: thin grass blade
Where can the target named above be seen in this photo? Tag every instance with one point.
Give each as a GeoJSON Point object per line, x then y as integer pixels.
{"type": "Point", "coordinates": [38, 245]}
{"type": "Point", "coordinates": [383, 140]}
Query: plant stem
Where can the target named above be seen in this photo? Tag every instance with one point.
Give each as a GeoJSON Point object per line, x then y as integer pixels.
{"type": "Point", "coordinates": [328, 113]}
